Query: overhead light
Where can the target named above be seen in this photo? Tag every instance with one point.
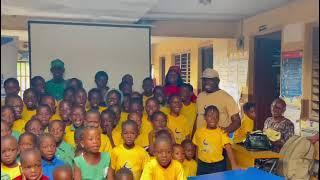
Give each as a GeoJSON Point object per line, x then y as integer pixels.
{"type": "Point", "coordinates": [205, 2]}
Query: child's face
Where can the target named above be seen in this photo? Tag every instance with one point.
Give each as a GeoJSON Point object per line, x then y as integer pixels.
{"type": "Point", "coordinates": [148, 86]}
{"type": "Point", "coordinates": [172, 77]}
{"type": "Point", "coordinates": [39, 86]}
{"type": "Point", "coordinates": [92, 119]}
{"type": "Point", "coordinates": [69, 96]}
{"type": "Point", "coordinates": [12, 88]}
{"type": "Point", "coordinates": [107, 123]}
{"type": "Point", "coordinates": [81, 98]}
{"type": "Point", "coordinates": [47, 148]}
{"type": "Point", "coordinates": [7, 115]}
{"type": "Point", "coordinates": [101, 81]}
{"type": "Point", "coordinates": [178, 153]}
{"type": "Point", "coordinates": [159, 122]}
{"type": "Point", "coordinates": [9, 151]}
{"type": "Point", "coordinates": [30, 100]}
{"type": "Point", "coordinates": [136, 107]}
{"type": "Point", "coordinates": [212, 119]}
{"type": "Point", "coordinates": [189, 150]}
{"type": "Point", "coordinates": [51, 103]}
{"type": "Point", "coordinates": [63, 174]}
{"type": "Point", "coordinates": [57, 131]}
{"type": "Point", "coordinates": [126, 89]}
{"type": "Point", "coordinates": [5, 129]}
{"type": "Point", "coordinates": [129, 134]}
{"type": "Point", "coordinates": [113, 99]}
{"type": "Point", "coordinates": [31, 167]}
{"type": "Point", "coordinates": [175, 105]}
{"type": "Point", "coordinates": [26, 143]}
{"type": "Point", "coordinates": [91, 140]}
{"type": "Point", "coordinates": [95, 99]}
{"type": "Point", "coordinates": [65, 111]}
{"type": "Point", "coordinates": [151, 107]}
{"type": "Point", "coordinates": [159, 94]}
{"type": "Point", "coordinates": [35, 128]}
{"type": "Point", "coordinates": [44, 115]}
{"type": "Point", "coordinates": [251, 113]}
{"type": "Point", "coordinates": [77, 117]}
{"type": "Point", "coordinates": [163, 153]}
{"type": "Point", "coordinates": [135, 117]}
{"type": "Point", "coordinates": [74, 84]}
{"type": "Point", "coordinates": [185, 94]}
{"type": "Point", "coordinates": [127, 79]}
{"type": "Point", "coordinates": [17, 105]}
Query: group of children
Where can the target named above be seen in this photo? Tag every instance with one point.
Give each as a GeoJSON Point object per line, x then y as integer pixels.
{"type": "Point", "coordinates": [108, 133]}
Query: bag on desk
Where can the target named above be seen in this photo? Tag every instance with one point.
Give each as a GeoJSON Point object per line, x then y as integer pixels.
{"type": "Point", "coordinates": [257, 141]}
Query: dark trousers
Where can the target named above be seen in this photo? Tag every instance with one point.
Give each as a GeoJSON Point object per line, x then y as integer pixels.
{"type": "Point", "coordinates": [209, 168]}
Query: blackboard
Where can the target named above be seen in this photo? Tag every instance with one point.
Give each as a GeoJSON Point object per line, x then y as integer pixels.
{"type": "Point", "coordinates": [291, 74]}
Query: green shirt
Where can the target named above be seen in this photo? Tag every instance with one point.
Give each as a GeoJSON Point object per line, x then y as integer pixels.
{"type": "Point", "coordinates": [16, 134]}
{"type": "Point", "coordinates": [55, 89]}
{"type": "Point", "coordinates": [65, 152]}
{"type": "Point", "coordinates": [93, 172]}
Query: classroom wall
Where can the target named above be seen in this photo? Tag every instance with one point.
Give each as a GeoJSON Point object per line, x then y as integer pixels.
{"type": "Point", "coordinates": [295, 20]}
{"type": "Point", "coordinates": [167, 47]}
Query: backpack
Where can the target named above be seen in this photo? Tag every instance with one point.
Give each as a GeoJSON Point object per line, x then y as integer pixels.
{"type": "Point", "coordinates": [297, 159]}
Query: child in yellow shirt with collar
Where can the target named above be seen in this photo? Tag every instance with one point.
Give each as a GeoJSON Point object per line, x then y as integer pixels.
{"type": "Point", "coordinates": [211, 141]}
{"type": "Point", "coordinates": [189, 162]}
{"type": "Point", "coordinates": [30, 100]}
{"type": "Point", "coordinates": [189, 108]}
{"type": "Point", "coordinates": [77, 118]}
{"type": "Point", "coordinates": [51, 102]}
{"type": "Point", "coordinates": [9, 153]}
{"type": "Point", "coordinates": [15, 102]}
{"type": "Point", "coordinates": [95, 98]}
{"type": "Point", "coordinates": [247, 123]}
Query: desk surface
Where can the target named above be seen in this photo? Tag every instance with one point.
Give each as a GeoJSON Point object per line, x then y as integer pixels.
{"type": "Point", "coordinates": [256, 154]}
{"type": "Point", "coordinates": [249, 174]}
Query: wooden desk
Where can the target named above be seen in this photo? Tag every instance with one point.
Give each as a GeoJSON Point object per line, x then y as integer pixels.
{"type": "Point", "coordinates": [246, 159]}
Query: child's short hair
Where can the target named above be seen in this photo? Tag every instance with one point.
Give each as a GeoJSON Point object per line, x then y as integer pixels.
{"type": "Point", "coordinates": [163, 138]}
{"type": "Point", "coordinates": [57, 121]}
{"type": "Point", "coordinates": [9, 137]}
{"type": "Point", "coordinates": [11, 80]}
{"type": "Point", "coordinates": [188, 86]}
{"type": "Point", "coordinates": [81, 90]}
{"type": "Point", "coordinates": [113, 91]}
{"type": "Point", "coordinates": [79, 83]}
{"type": "Point", "coordinates": [173, 96]}
{"type": "Point", "coordinates": [10, 97]}
{"type": "Point", "coordinates": [30, 90]}
{"type": "Point", "coordinates": [153, 99]}
{"type": "Point", "coordinates": [27, 152]}
{"type": "Point", "coordinates": [6, 107]}
{"type": "Point", "coordinates": [186, 142]}
{"type": "Point", "coordinates": [163, 134]}
{"type": "Point", "coordinates": [136, 100]}
{"type": "Point", "coordinates": [34, 80]}
{"type": "Point", "coordinates": [63, 168]}
{"type": "Point", "coordinates": [130, 123]}
{"type": "Point", "coordinates": [44, 106]}
{"type": "Point", "coordinates": [158, 113]}
{"type": "Point", "coordinates": [69, 89]}
{"type": "Point", "coordinates": [91, 111]}
{"type": "Point", "coordinates": [78, 134]}
{"type": "Point", "coordinates": [46, 96]}
{"type": "Point", "coordinates": [109, 112]}
{"type": "Point", "coordinates": [134, 113]}
{"type": "Point", "coordinates": [87, 128]}
{"type": "Point", "coordinates": [101, 73]}
{"type": "Point", "coordinates": [247, 106]}
{"type": "Point", "coordinates": [177, 146]}
{"type": "Point", "coordinates": [43, 136]}
{"type": "Point", "coordinates": [92, 91]}
{"type": "Point", "coordinates": [25, 134]}
{"type": "Point", "coordinates": [28, 124]}
{"type": "Point", "coordinates": [147, 79]}
{"type": "Point", "coordinates": [210, 108]}
{"type": "Point", "coordinates": [123, 172]}
{"type": "Point", "coordinates": [76, 106]}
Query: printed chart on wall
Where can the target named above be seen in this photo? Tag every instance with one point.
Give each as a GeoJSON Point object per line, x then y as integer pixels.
{"type": "Point", "coordinates": [291, 83]}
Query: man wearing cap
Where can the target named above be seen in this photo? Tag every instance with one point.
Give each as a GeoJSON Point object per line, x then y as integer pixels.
{"type": "Point", "coordinates": [55, 87]}
{"type": "Point", "coordinates": [229, 118]}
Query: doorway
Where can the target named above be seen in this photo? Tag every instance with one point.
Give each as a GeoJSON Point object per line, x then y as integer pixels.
{"type": "Point", "coordinates": [163, 70]}
{"type": "Point", "coordinates": [206, 57]}
{"type": "Point", "coordinates": [266, 83]}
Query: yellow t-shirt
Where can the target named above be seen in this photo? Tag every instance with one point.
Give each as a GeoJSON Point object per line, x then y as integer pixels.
{"type": "Point", "coordinates": [145, 98]}
{"type": "Point", "coordinates": [123, 118]}
{"type": "Point", "coordinates": [223, 101]}
{"type": "Point", "coordinates": [12, 172]}
{"type": "Point", "coordinates": [27, 114]}
{"type": "Point", "coordinates": [55, 116]}
{"type": "Point", "coordinates": [134, 159]}
{"type": "Point", "coordinates": [190, 167]}
{"type": "Point", "coordinates": [190, 112]}
{"type": "Point", "coordinates": [69, 136]}
{"type": "Point", "coordinates": [116, 137]}
{"type": "Point", "coordinates": [165, 109]}
{"type": "Point", "coordinates": [246, 127]}
{"type": "Point", "coordinates": [142, 139]}
{"type": "Point", "coordinates": [146, 125]}
{"type": "Point", "coordinates": [18, 125]}
{"type": "Point", "coordinates": [105, 144]}
{"type": "Point", "coordinates": [101, 108]}
{"type": "Point", "coordinates": [154, 171]}
{"type": "Point", "coordinates": [178, 126]}
{"type": "Point", "coordinates": [210, 143]}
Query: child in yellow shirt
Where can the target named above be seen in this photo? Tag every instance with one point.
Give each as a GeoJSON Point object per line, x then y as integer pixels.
{"type": "Point", "coordinates": [30, 100]}
{"type": "Point", "coordinates": [189, 109]}
{"type": "Point", "coordinates": [163, 167]}
{"type": "Point", "coordinates": [108, 118]}
{"type": "Point", "coordinates": [178, 123]}
{"type": "Point", "coordinates": [147, 86]}
{"type": "Point", "coordinates": [92, 119]}
{"type": "Point", "coordinates": [65, 112]}
{"type": "Point", "coordinates": [128, 154]}
{"type": "Point", "coordinates": [95, 98]}
{"type": "Point", "coordinates": [158, 93]}
{"type": "Point", "coordinates": [7, 115]}
{"type": "Point", "coordinates": [189, 162]}
{"type": "Point", "coordinates": [9, 153]}
{"type": "Point", "coordinates": [247, 123]}
{"type": "Point", "coordinates": [211, 141]}
{"type": "Point", "coordinates": [77, 118]}
{"type": "Point", "coordinates": [43, 114]}
{"type": "Point", "coordinates": [15, 102]}
{"type": "Point", "coordinates": [124, 174]}
{"type": "Point", "coordinates": [51, 102]}
{"type": "Point", "coordinates": [142, 138]}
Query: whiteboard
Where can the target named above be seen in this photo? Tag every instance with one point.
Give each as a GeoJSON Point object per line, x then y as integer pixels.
{"type": "Point", "coordinates": [88, 48]}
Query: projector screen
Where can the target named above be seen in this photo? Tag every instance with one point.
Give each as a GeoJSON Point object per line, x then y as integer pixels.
{"type": "Point", "coordinates": [88, 48]}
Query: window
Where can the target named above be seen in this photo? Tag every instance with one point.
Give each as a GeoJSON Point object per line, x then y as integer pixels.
{"type": "Point", "coordinates": [23, 71]}
{"type": "Point", "coordinates": [183, 61]}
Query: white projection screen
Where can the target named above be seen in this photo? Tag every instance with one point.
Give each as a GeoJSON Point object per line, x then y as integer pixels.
{"type": "Point", "coordinates": [88, 48]}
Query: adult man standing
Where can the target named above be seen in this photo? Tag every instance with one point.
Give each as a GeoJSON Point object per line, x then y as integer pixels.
{"type": "Point", "coordinates": [229, 118]}
{"type": "Point", "coordinates": [55, 87]}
